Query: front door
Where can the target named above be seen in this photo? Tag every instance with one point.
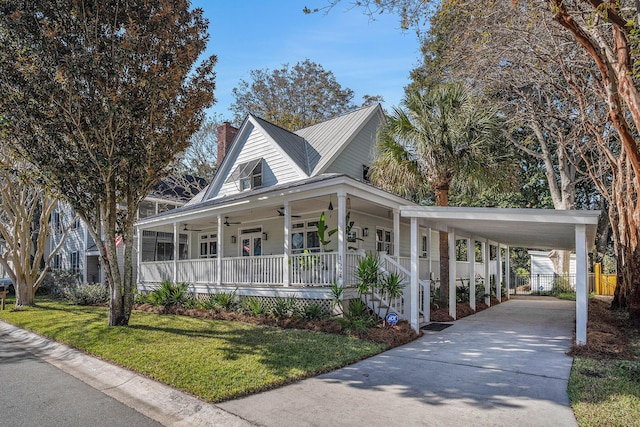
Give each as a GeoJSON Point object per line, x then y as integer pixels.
{"type": "Point", "coordinates": [251, 244]}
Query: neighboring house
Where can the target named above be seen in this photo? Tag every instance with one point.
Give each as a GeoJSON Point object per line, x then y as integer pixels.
{"type": "Point", "coordinates": [542, 274]}
{"type": "Point", "coordinates": [255, 228]}
{"type": "Point", "coordinates": [79, 252]}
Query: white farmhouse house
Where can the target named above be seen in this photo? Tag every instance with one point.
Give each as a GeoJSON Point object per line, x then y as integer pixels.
{"type": "Point", "coordinates": [255, 228]}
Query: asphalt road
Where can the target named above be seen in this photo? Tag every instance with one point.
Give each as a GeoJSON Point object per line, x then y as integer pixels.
{"type": "Point", "coordinates": [35, 393]}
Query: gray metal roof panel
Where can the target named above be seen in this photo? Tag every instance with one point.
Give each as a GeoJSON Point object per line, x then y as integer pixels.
{"type": "Point", "coordinates": [292, 144]}
{"type": "Point", "coordinates": [327, 138]}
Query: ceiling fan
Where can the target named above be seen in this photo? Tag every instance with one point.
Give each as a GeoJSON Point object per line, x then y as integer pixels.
{"type": "Point", "coordinates": [228, 223]}
{"type": "Point", "coordinates": [280, 213]}
{"type": "Point", "coordinates": [186, 228]}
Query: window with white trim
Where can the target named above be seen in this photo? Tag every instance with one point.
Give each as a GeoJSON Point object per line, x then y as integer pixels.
{"type": "Point", "coordinates": [57, 262]}
{"type": "Point", "coordinates": [384, 243]}
{"type": "Point", "coordinates": [247, 175]}
{"type": "Point", "coordinates": [305, 237]}
{"type": "Point", "coordinates": [75, 261]}
{"type": "Point", "coordinates": [208, 245]}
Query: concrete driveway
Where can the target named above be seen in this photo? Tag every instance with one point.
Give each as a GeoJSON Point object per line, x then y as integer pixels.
{"type": "Point", "coordinates": [505, 366]}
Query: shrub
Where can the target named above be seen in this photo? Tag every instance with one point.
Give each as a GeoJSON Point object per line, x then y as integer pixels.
{"type": "Point", "coordinates": [561, 286]}
{"type": "Point", "coordinates": [313, 312]}
{"type": "Point", "coordinates": [357, 318]}
{"type": "Point", "coordinates": [170, 294]}
{"type": "Point", "coordinates": [253, 306]}
{"type": "Point", "coordinates": [223, 300]}
{"type": "Point", "coordinates": [56, 283]}
{"type": "Point", "coordinates": [284, 307]}
{"type": "Point", "coordinates": [87, 294]}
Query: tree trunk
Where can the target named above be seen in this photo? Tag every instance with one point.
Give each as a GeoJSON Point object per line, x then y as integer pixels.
{"type": "Point", "coordinates": [442, 199]}
{"type": "Point", "coordinates": [25, 294]}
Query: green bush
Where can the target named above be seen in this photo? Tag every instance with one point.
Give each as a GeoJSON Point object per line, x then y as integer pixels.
{"type": "Point", "coordinates": [87, 294]}
{"type": "Point", "coordinates": [357, 318]}
{"type": "Point", "coordinates": [561, 286]}
{"type": "Point", "coordinates": [253, 306]}
{"type": "Point", "coordinates": [170, 294]}
{"type": "Point", "coordinates": [224, 300]}
{"type": "Point", "coordinates": [57, 282]}
{"type": "Point", "coordinates": [284, 307]}
{"type": "Point", "coordinates": [314, 312]}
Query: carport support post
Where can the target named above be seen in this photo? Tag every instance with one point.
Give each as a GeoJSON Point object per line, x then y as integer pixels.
{"type": "Point", "coordinates": [452, 274]}
{"type": "Point", "coordinates": [471, 258]}
{"type": "Point", "coordinates": [487, 272]}
{"type": "Point", "coordinates": [342, 219]}
{"type": "Point", "coordinates": [413, 285]}
{"type": "Point", "coordinates": [220, 251]}
{"type": "Point", "coordinates": [582, 294]}
{"type": "Point", "coordinates": [396, 234]}
{"type": "Point", "coordinates": [499, 273]}
{"type": "Point", "coordinates": [507, 271]}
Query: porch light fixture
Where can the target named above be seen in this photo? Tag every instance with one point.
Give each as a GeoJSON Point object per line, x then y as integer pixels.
{"type": "Point", "coordinates": [233, 239]}
{"type": "Point", "coordinates": [348, 203]}
{"type": "Point", "coordinates": [365, 232]}
{"type": "Point", "coordinates": [330, 207]}
{"type": "Point", "coordinates": [264, 236]}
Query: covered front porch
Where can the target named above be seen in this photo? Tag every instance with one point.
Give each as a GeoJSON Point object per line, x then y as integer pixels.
{"type": "Point", "coordinates": [274, 238]}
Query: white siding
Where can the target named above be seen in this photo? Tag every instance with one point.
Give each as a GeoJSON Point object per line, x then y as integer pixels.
{"type": "Point", "coordinates": [75, 240]}
{"type": "Point", "coordinates": [275, 170]}
{"type": "Point", "coordinates": [359, 152]}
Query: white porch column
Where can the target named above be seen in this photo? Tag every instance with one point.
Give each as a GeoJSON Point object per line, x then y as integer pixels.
{"type": "Point", "coordinates": [452, 274]}
{"type": "Point", "coordinates": [471, 258]}
{"type": "Point", "coordinates": [582, 291]}
{"type": "Point", "coordinates": [429, 268]}
{"type": "Point", "coordinates": [499, 273]}
{"type": "Point", "coordinates": [507, 272]}
{"type": "Point", "coordinates": [413, 286]}
{"type": "Point", "coordinates": [220, 253]}
{"type": "Point", "coordinates": [176, 244]}
{"type": "Point", "coordinates": [286, 278]}
{"type": "Point", "coordinates": [396, 234]}
{"type": "Point", "coordinates": [487, 272]}
{"type": "Point", "coordinates": [139, 234]}
{"type": "Point", "coordinates": [342, 219]}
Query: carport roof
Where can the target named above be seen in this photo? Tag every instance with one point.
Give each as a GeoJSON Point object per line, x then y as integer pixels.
{"type": "Point", "coordinates": [528, 228]}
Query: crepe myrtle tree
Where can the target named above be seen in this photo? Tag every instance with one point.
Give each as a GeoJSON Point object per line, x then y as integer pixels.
{"type": "Point", "coordinates": [100, 98]}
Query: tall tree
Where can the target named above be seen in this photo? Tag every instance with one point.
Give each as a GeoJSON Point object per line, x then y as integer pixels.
{"type": "Point", "coordinates": [609, 32]}
{"type": "Point", "coordinates": [100, 97]}
{"type": "Point", "coordinates": [199, 159]}
{"type": "Point", "coordinates": [25, 212]}
{"type": "Point", "coordinates": [294, 97]}
{"type": "Point", "coordinates": [439, 135]}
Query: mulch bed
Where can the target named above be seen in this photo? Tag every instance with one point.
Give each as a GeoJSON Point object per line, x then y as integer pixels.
{"type": "Point", "coordinates": [606, 337]}
{"type": "Point", "coordinates": [462, 310]}
{"type": "Point", "coordinates": [390, 336]}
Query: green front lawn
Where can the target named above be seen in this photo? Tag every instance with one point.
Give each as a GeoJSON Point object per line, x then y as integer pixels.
{"type": "Point", "coordinates": [214, 360]}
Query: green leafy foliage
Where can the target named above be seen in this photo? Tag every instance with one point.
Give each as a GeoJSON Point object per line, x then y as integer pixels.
{"type": "Point", "coordinates": [313, 312]}
{"type": "Point", "coordinates": [357, 318]}
{"type": "Point", "coordinates": [170, 294]}
{"type": "Point", "coordinates": [224, 300]}
{"type": "Point", "coordinates": [253, 306]}
{"type": "Point", "coordinates": [87, 294]}
{"type": "Point", "coordinates": [283, 308]}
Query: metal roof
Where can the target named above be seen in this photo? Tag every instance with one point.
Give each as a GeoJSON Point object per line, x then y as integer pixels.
{"type": "Point", "coordinates": [528, 228]}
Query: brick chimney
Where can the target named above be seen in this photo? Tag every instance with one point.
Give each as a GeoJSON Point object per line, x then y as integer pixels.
{"type": "Point", "coordinates": [226, 133]}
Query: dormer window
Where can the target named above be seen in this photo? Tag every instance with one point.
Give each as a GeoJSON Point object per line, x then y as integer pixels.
{"type": "Point", "coordinates": [248, 175]}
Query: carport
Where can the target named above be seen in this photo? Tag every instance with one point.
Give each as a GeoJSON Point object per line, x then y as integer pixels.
{"type": "Point", "coordinates": [529, 228]}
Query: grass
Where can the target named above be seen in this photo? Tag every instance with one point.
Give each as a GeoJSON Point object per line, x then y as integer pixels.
{"type": "Point", "coordinates": [214, 360]}
{"type": "Point", "coordinates": [604, 386]}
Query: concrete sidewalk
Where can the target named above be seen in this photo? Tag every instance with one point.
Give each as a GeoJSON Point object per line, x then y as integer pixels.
{"type": "Point", "coordinates": [505, 366]}
{"type": "Point", "coordinates": [157, 401]}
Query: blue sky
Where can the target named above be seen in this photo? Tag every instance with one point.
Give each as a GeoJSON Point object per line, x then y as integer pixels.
{"type": "Point", "coordinates": [369, 57]}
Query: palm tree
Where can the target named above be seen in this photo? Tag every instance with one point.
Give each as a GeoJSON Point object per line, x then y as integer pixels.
{"type": "Point", "coordinates": [437, 137]}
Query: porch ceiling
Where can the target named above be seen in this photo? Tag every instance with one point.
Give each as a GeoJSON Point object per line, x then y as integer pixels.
{"type": "Point", "coordinates": [529, 228]}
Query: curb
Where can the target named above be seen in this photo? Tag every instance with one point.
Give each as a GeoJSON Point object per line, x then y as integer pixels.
{"type": "Point", "coordinates": [158, 401]}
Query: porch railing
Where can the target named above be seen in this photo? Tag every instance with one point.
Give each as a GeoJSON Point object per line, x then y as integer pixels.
{"type": "Point", "coordinates": [198, 270]}
{"type": "Point", "coordinates": [262, 270]}
{"type": "Point", "coordinates": [400, 304]}
{"type": "Point", "coordinates": [315, 269]}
